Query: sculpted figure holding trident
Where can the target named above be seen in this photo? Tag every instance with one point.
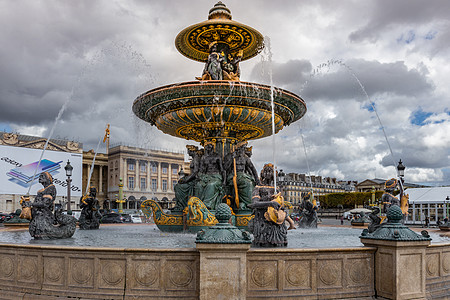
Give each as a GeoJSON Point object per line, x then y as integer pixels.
{"type": "Point", "coordinates": [211, 175]}
{"type": "Point", "coordinates": [241, 175]}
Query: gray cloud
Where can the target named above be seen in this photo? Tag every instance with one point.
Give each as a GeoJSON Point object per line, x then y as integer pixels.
{"type": "Point", "coordinates": [384, 15]}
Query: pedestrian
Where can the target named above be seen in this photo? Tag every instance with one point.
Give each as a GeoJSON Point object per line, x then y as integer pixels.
{"type": "Point", "coordinates": [427, 222]}
{"type": "Point", "coordinates": [342, 220]}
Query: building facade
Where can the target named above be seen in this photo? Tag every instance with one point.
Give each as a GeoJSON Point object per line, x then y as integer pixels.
{"type": "Point", "coordinates": [146, 174]}
{"type": "Point", "coordinates": [378, 184]}
{"type": "Point", "coordinates": [293, 185]}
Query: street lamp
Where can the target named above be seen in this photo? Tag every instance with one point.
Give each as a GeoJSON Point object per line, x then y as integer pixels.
{"type": "Point", "coordinates": [68, 169]}
{"type": "Point", "coordinates": [401, 173]}
{"type": "Point", "coordinates": [447, 202]}
{"type": "Point", "coordinates": [401, 170]}
{"type": "Point", "coordinates": [281, 176]}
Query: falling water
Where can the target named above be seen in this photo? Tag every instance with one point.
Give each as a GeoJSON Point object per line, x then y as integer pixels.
{"type": "Point", "coordinates": [132, 56]}
{"type": "Point", "coordinates": [92, 166]}
{"type": "Point", "coordinates": [268, 52]}
{"type": "Point", "coordinates": [58, 117]}
{"type": "Point", "coordinates": [352, 73]}
{"type": "Point", "coordinates": [307, 165]}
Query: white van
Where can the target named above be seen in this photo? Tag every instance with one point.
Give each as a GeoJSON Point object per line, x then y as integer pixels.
{"type": "Point", "coordinates": [136, 219]}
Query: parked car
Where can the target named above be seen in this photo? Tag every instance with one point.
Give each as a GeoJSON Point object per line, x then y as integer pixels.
{"type": "Point", "coordinates": [111, 218]}
{"type": "Point", "coordinates": [4, 217]}
{"type": "Point", "coordinates": [126, 218]}
{"type": "Point", "coordinates": [136, 219]}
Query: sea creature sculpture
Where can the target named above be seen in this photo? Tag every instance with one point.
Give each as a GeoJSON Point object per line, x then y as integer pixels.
{"type": "Point", "coordinates": [198, 213]}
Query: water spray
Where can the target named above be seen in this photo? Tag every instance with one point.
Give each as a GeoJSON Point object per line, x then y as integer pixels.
{"type": "Point", "coordinates": [269, 59]}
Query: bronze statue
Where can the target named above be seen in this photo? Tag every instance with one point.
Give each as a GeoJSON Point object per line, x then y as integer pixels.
{"type": "Point", "coordinates": [241, 175]}
{"type": "Point", "coordinates": [268, 225]}
{"type": "Point", "coordinates": [44, 224]}
{"type": "Point", "coordinates": [308, 212]}
{"type": "Point", "coordinates": [211, 175]}
{"type": "Point", "coordinates": [375, 220]}
{"type": "Point", "coordinates": [90, 211]}
{"type": "Point", "coordinates": [388, 199]}
{"type": "Point", "coordinates": [213, 66]}
{"type": "Point", "coordinates": [185, 187]}
{"type": "Point", "coordinates": [230, 66]}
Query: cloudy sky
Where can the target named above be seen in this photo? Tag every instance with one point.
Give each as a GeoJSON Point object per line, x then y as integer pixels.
{"type": "Point", "coordinates": [360, 66]}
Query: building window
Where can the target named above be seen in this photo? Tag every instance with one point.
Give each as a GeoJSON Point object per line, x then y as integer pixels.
{"type": "Point", "coordinates": [164, 185]}
{"type": "Point", "coordinates": [174, 183]}
{"type": "Point", "coordinates": [131, 166]}
{"type": "Point", "coordinates": [164, 170]}
{"type": "Point", "coordinates": [143, 183]}
{"type": "Point", "coordinates": [143, 168]}
{"type": "Point", "coordinates": [154, 168]}
{"type": "Point", "coordinates": [154, 184]}
{"type": "Point", "coordinates": [131, 182]}
{"type": "Point", "coordinates": [174, 170]}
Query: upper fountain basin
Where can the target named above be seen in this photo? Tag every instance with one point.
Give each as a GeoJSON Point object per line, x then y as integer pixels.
{"type": "Point", "coordinates": [200, 110]}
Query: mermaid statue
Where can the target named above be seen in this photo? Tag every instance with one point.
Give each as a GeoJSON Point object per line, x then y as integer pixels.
{"type": "Point", "coordinates": [44, 223]}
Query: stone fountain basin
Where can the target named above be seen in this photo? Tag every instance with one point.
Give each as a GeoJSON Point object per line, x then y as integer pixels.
{"type": "Point", "coordinates": [239, 110]}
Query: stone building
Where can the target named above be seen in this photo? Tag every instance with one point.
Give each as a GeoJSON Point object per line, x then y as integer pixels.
{"type": "Point", "coordinates": [293, 185]}
{"type": "Point", "coordinates": [146, 174]}
{"type": "Point", "coordinates": [378, 184]}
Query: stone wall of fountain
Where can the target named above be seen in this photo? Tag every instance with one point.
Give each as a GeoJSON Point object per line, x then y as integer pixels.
{"type": "Point", "coordinates": [119, 273]}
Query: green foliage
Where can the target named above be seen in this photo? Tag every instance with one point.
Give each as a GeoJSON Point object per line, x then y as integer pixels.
{"type": "Point", "coordinates": [347, 200]}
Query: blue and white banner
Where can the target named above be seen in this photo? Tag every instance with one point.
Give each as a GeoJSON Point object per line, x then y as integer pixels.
{"type": "Point", "coordinates": [19, 165]}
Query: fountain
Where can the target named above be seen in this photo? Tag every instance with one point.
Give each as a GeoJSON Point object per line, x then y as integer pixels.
{"type": "Point", "coordinates": [222, 113]}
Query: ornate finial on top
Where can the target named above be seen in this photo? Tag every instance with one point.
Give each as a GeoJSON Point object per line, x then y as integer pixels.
{"type": "Point", "coordinates": [223, 213]}
{"type": "Point", "coordinates": [219, 11]}
{"type": "Point", "coordinates": [394, 214]}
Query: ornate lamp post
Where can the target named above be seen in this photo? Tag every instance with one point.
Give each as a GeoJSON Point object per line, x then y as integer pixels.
{"type": "Point", "coordinates": [68, 169]}
{"type": "Point", "coordinates": [401, 173]}
{"type": "Point", "coordinates": [447, 202]}
{"type": "Point", "coordinates": [281, 177]}
{"type": "Point", "coordinates": [373, 197]}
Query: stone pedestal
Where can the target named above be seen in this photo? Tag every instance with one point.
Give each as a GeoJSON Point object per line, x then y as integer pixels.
{"type": "Point", "coordinates": [399, 259]}
{"type": "Point", "coordinates": [223, 259]}
{"type": "Point", "coordinates": [223, 271]}
{"type": "Point", "coordinates": [399, 268]}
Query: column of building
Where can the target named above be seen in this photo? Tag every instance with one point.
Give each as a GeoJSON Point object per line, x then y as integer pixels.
{"type": "Point", "coordinates": [169, 178]}
{"type": "Point", "coordinates": [137, 181]}
{"type": "Point", "coordinates": [149, 180]}
{"type": "Point", "coordinates": [100, 179]}
{"type": "Point", "coordinates": [124, 172]}
{"type": "Point", "coordinates": [159, 187]}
